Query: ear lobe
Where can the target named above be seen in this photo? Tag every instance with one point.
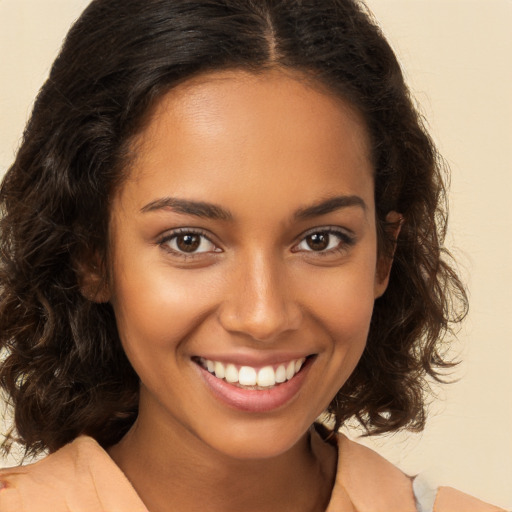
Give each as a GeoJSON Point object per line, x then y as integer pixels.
{"type": "Point", "coordinates": [394, 221]}
{"type": "Point", "coordinates": [93, 282]}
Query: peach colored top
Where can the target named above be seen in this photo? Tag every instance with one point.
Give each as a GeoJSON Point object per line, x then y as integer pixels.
{"type": "Point", "coordinates": [81, 477]}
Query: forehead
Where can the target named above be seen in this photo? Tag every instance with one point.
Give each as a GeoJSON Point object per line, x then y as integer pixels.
{"type": "Point", "coordinates": [258, 136]}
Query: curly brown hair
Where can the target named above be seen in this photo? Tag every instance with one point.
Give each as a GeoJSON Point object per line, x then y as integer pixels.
{"type": "Point", "coordinates": [64, 369]}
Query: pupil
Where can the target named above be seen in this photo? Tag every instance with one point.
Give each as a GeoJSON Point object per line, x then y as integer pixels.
{"type": "Point", "coordinates": [188, 243]}
{"type": "Point", "coordinates": [318, 241]}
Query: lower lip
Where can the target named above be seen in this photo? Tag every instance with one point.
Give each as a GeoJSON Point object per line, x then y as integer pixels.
{"type": "Point", "coordinates": [252, 400]}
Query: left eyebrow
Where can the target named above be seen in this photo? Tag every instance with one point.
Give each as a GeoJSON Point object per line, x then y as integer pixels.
{"type": "Point", "coordinates": [196, 208]}
{"type": "Point", "coordinates": [329, 205]}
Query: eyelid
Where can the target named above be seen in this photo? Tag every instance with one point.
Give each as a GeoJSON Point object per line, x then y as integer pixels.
{"type": "Point", "coordinates": [164, 239]}
{"type": "Point", "coordinates": [347, 237]}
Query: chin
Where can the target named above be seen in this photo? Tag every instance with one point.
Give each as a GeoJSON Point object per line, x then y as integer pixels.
{"type": "Point", "coordinates": [258, 441]}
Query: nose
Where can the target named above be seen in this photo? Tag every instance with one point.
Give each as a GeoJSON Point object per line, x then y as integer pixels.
{"type": "Point", "coordinates": [260, 302]}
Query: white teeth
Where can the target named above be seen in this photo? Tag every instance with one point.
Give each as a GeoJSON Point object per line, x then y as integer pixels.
{"type": "Point", "coordinates": [265, 377]}
{"type": "Point", "coordinates": [220, 373]}
{"type": "Point", "coordinates": [247, 376]}
{"type": "Point", "coordinates": [280, 373]}
{"type": "Point", "coordinates": [231, 373]}
{"type": "Point", "coordinates": [290, 370]}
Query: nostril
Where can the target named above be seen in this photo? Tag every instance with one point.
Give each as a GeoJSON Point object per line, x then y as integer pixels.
{"type": "Point", "coordinates": [260, 324]}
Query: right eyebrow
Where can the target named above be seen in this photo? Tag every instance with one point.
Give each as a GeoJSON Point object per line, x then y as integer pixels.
{"type": "Point", "coordinates": [329, 205]}
{"type": "Point", "coordinates": [188, 207]}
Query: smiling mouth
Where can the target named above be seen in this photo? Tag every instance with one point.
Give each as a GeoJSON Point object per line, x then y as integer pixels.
{"type": "Point", "coordinates": [248, 377]}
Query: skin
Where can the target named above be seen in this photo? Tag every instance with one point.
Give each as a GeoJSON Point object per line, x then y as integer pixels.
{"type": "Point", "coordinates": [263, 147]}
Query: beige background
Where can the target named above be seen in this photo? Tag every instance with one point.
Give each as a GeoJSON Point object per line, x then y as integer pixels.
{"type": "Point", "coordinates": [457, 55]}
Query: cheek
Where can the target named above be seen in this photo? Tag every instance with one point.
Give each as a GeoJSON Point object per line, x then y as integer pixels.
{"type": "Point", "coordinates": [157, 313]}
{"type": "Point", "coordinates": [342, 301]}
{"type": "Point", "coordinates": [159, 307]}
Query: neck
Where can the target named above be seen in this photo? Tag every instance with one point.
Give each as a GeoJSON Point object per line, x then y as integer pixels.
{"type": "Point", "coordinates": [172, 466]}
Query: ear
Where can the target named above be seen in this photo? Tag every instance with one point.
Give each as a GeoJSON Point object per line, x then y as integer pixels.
{"type": "Point", "coordinates": [92, 280]}
{"type": "Point", "coordinates": [394, 221]}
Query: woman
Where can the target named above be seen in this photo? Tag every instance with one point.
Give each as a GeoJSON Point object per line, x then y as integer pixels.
{"type": "Point", "coordinates": [225, 219]}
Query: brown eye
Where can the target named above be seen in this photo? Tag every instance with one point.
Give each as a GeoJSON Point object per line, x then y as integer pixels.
{"type": "Point", "coordinates": [318, 241]}
{"type": "Point", "coordinates": [188, 243]}
{"type": "Point", "coordinates": [325, 241]}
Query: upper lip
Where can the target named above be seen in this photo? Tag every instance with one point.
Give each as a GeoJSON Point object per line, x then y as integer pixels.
{"type": "Point", "coordinates": [255, 360]}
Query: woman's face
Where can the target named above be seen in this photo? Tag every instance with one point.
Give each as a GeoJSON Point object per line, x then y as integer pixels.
{"type": "Point", "coordinates": [244, 261]}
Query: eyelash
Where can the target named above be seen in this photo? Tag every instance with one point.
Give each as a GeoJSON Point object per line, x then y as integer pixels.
{"type": "Point", "coordinates": [345, 241]}
{"type": "Point", "coordinates": [165, 241]}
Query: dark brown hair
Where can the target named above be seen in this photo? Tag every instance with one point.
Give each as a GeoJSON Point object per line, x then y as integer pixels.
{"type": "Point", "coordinates": [63, 368]}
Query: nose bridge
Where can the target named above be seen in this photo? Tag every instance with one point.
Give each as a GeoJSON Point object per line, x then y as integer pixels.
{"type": "Point", "coordinates": [260, 303]}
